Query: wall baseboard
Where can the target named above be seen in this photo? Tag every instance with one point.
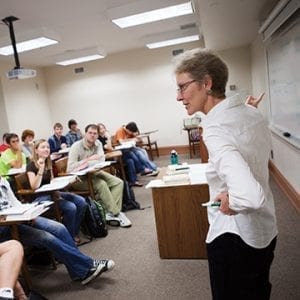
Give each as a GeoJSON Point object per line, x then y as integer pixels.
{"type": "Point", "coordinates": [182, 149]}
{"type": "Point", "coordinates": [285, 186]}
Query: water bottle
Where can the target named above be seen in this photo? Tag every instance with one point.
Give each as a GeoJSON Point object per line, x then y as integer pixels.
{"type": "Point", "coordinates": [174, 157]}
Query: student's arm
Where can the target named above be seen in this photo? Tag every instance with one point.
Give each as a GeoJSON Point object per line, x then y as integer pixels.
{"type": "Point", "coordinates": [35, 179]}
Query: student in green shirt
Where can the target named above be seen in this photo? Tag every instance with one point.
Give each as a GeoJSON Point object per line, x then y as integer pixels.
{"type": "Point", "coordinates": [13, 156]}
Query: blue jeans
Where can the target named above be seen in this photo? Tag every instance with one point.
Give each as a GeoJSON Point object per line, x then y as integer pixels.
{"type": "Point", "coordinates": [53, 236]}
{"type": "Point", "coordinates": [72, 207]}
{"type": "Point", "coordinates": [143, 158]}
{"type": "Point", "coordinates": [131, 171]}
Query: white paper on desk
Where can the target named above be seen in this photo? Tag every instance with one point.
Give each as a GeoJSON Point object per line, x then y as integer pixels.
{"type": "Point", "coordinates": [17, 210]}
{"type": "Point", "coordinates": [94, 167]}
{"type": "Point", "coordinates": [197, 173]}
{"type": "Point", "coordinates": [65, 150]}
{"type": "Point", "coordinates": [15, 171]}
{"type": "Point", "coordinates": [155, 183]}
{"type": "Point", "coordinates": [56, 184]}
{"type": "Point", "coordinates": [125, 145]}
{"type": "Point", "coordinates": [30, 214]}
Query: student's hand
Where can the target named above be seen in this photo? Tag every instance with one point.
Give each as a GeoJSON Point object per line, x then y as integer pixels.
{"type": "Point", "coordinates": [94, 157]}
{"type": "Point", "coordinates": [41, 162]}
{"type": "Point", "coordinates": [224, 208]}
{"type": "Point", "coordinates": [254, 101]}
{"type": "Point", "coordinates": [63, 146]}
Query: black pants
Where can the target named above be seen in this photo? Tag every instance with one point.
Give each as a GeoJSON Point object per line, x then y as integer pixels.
{"type": "Point", "coordinates": [238, 271]}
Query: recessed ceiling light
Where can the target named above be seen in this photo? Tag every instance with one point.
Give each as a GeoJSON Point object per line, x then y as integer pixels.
{"type": "Point", "coordinates": [39, 42]}
{"type": "Point", "coordinates": [155, 15]}
{"type": "Point", "coordinates": [176, 41]}
{"type": "Point", "coordinates": [79, 60]}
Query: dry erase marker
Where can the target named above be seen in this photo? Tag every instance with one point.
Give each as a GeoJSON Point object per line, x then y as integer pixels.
{"type": "Point", "coordinates": [212, 204]}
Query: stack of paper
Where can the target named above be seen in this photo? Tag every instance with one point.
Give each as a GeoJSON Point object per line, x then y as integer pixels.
{"type": "Point", "coordinates": [24, 212]}
{"type": "Point", "coordinates": [177, 178]}
{"type": "Point", "coordinates": [57, 183]}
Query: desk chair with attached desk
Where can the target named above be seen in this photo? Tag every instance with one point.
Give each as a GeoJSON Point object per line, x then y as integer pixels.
{"type": "Point", "coordinates": [25, 193]}
{"type": "Point", "coordinates": [149, 145]}
{"type": "Point", "coordinates": [61, 167]}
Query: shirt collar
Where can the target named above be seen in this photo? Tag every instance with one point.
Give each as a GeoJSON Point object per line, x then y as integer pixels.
{"type": "Point", "coordinates": [221, 106]}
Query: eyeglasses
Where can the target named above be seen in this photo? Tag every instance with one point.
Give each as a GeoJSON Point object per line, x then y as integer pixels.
{"type": "Point", "coordinates": [182, 87]}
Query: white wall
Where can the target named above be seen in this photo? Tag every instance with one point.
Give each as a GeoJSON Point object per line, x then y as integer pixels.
{"type": "Point", "coordinates": [131, 86]}
{"type": "Point", "coordinates": [286, 157]}
{"type": "Point", "coordinates": [26, 104]}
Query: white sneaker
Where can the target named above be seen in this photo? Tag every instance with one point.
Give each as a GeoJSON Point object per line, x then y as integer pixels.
{"type": "Point", "coordinates": [99, 267]}
{"type": "Point", "coordinates": [124, 221]}
{"type": "Point", "coordinates": [112, 220]}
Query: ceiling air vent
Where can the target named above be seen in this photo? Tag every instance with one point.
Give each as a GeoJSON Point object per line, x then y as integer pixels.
{"type": "Point", "coordinates": [177, 51]}
{"type": "Point", "coordinates": [188, 26]}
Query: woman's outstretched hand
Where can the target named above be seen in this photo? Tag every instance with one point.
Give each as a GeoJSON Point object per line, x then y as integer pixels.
{"type": "Point", "coordinates": [254, 101]}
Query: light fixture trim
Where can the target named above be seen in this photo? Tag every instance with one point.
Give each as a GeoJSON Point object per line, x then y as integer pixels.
{"type": "Point", "coordinates": [28, 45]}
{"type": "Point", "coordinates": [175, 41]}
{"type": "Point", "coordinates": [155, 15]}
{"type": "Point", "coordinates": [77, 60]}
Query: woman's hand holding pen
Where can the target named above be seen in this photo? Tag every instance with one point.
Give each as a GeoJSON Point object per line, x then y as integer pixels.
{"type": "Point", "coordinates": [224, 206]}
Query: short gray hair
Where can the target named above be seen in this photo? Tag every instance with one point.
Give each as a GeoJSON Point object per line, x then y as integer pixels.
{"type": "Point", "coordinates": [202, 63]}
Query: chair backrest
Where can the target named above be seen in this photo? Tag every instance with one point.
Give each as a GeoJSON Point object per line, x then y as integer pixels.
{"type": "Point", "coordinates": [61, 165]}
{"type": "Point", "coordinates": [194, 135]}
{"type": "Point", "coordinates": [22, 181]}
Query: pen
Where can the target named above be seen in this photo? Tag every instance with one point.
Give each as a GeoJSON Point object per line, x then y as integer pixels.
{"type": "Point", "coordinates": [212, 204]}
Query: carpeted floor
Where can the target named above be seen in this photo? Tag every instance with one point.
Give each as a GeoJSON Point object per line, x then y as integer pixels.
{"type": "Point", "coordinates": [141, 274]}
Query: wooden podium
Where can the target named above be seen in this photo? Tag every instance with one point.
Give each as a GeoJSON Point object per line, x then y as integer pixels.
{"type": "Point", "coordinates": [181, 221]}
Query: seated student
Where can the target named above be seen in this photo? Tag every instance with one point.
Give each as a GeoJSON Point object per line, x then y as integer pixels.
{"type": "Point", "coordinates": [74, 133]}
{"type": "Point", "coordinates": [108, 188]}
{"type": "Point", "coordinates": [105, 138]}
{"type": "Point", "coordinates": [11, 258]}
{"type": "Point", "coordinates": [39, 172]}
{"type": "Point", "coordinates": [4, 144]}
{"type": "Point", "coordinates": [57, 141]}
{"type": "Point", "coordinates": [52, 235]}
{"type": "Point", "coordinates": [27, 146]}
{"type": "Point", "coordinates": [143, 164]}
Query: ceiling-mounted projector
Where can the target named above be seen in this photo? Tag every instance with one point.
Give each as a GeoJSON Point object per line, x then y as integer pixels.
{"type": "Point", "coordinates": [20, 73]}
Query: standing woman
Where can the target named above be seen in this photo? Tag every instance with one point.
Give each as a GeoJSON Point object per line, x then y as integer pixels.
{"type": "Point", "coordinates": [242, 232]}
{"type": "Point", "coordinates": [39, 172]}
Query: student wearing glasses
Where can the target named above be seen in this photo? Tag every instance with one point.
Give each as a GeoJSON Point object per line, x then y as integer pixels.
{"type": "Point", "coordinates": [242, 230]}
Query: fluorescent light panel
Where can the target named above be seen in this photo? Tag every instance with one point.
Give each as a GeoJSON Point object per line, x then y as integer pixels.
{"type": "Point", "coordinates": [79, 60]}
{"type": "Point", "coordinates": [155, 15]}
{"type": "Point", "coordinates": [176, 41]}
{"type": "Point", "coordinates": [28, 45]}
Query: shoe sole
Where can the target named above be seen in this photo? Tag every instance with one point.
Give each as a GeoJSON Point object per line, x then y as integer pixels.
{"type": "Point", "coordinates": [126, 226]}
{"type": "Point", "coordinates": [115, 223]}
{"type": "Point", "coordinates": [95, 275]}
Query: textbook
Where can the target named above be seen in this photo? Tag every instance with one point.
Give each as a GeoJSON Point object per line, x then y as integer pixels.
{"type": "Point", "coordinates": [24, 212]}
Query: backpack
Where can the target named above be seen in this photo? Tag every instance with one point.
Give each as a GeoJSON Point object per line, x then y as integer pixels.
{"type": "Point", "coordinates": [129, 201]}
{"type": "Point", "coordinates": [94, 219]}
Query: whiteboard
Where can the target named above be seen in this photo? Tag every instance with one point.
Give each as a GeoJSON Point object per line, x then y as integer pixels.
{"type": "Point", "coordinates": [283, 57]}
